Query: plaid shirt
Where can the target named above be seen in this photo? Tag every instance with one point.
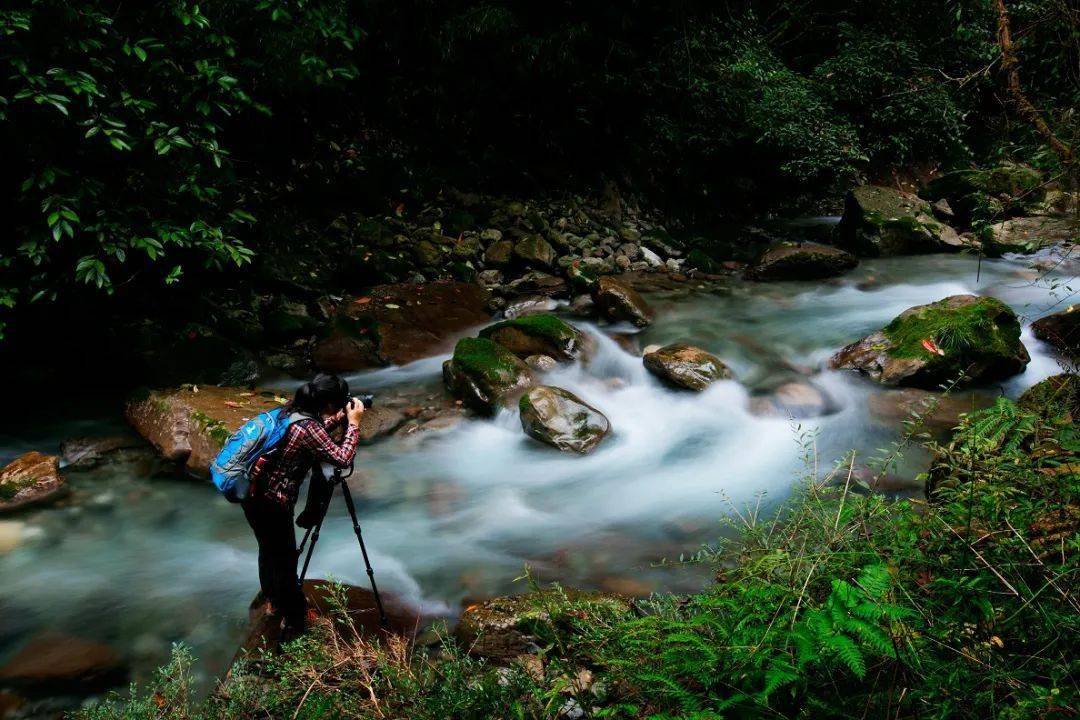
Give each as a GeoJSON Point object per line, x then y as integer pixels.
{"type": "Point", "coordinates": [278, 476]}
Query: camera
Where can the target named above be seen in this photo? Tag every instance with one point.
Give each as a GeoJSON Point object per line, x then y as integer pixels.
{"type": "Point", "coordinates": [367, 399]}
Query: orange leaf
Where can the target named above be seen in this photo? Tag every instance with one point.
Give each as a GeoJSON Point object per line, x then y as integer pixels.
{"type": "Point", "coordinates": [931, 347]}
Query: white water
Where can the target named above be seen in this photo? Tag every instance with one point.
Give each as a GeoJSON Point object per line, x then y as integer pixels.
{"type": "Point", "coordinates": [143, 561]}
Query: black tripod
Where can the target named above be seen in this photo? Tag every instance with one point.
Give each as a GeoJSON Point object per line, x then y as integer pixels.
{"type": "Point", "coordinates": [313, 533]}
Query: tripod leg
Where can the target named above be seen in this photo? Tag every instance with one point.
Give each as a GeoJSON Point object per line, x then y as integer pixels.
{"type": "Point", "coordinates": [314, 533]}
{"type": "Point", "coordinates": [363, 550]}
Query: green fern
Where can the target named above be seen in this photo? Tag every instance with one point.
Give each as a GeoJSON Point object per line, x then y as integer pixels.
{"type": "Point", "coordinates": [1002, 427]}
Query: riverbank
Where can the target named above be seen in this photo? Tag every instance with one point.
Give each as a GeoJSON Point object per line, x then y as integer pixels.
{"type": "Point", "coordinates": [845, 603]}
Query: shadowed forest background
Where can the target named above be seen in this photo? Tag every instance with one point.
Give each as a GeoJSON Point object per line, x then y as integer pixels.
{"type": "Point", "coordinates": [165, 150]}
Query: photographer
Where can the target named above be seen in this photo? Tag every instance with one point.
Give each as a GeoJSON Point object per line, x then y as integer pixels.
{"type": "Point", "coordinates": [276, 482]}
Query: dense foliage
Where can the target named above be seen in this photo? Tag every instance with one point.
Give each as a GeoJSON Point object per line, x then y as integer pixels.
{"type": "Point", "coordinates": [144, 142]}
{"type": "Point", "coordinates": [845, 605]}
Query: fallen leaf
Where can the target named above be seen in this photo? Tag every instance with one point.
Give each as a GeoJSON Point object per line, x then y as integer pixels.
{"type": "Point", "coordinates": [931, 347]}
{"type": "Point", "coordinates": [233, 404]}
{"type": "Point", "coordinates": [392, 306]}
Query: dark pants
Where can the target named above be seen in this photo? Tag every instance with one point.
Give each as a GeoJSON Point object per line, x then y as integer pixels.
{"type": "Point", "coordinates": [273, 526]}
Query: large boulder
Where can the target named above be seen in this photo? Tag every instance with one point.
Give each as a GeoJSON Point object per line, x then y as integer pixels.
{"type": "Point", "coordinates": [618, 302]}
{"type": "Point", "coordinates": [1062, 330]}
{"type": "Point", "coordinates": [1030, 234]}
{"type": "Point", "coordinates": [686, 366]}
{"type": "Point", "coordinates": [30, 479]}
{"type": "Point", "coordinates": [981, 193]}
{"type": "Point", "coordinates": [538, 335]}
{"type": "Point", "coordinates": [189, 424]}
{"type": "Point", "coordinates": [506, 627]}
{"type": "Point", "coordinates": [396, 324]}
{"type": "Point", "coordinates": [561, 419]}
{"type": "Point", "coordinates": [54, 664]}
{"type": "Point", "coordinates": [484, 374]}
{"type": "Point", "coordinates": [800, 261]}
{"type": "Point", "coordinates": [883, 221]}
{"type": "Point", "coordinates": [928, 345]}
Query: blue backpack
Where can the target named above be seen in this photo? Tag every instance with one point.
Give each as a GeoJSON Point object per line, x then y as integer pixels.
{"type": "Point", "coordinates": [231, 470]}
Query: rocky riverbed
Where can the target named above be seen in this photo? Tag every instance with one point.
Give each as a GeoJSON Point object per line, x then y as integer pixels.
{"type": "Point", "coordinates": [580, 420]}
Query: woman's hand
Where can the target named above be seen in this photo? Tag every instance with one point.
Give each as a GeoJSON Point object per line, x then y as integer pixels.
{"type": "Point", "coordinates": [354, 410]}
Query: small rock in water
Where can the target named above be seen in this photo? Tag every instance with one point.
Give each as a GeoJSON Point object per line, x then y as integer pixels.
{"type": "Point", "coordinates": [686, 366]}
{"type": "Point", "coordinates": [30, 479]}
{"type": "Point", "coordinates": [798, 400]}
{"type": "Point", "coordinates": [619, 302]}
{"type": "Point", "coordinates": [561, 419]}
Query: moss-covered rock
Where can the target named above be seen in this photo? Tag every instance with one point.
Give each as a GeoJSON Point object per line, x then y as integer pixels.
{"type": "Point", "coordinates": [484, 374]}
{"type": "Point", "coordinates": [686, 366]}
{"type": "Point", "coordinates": [932, 344]}
{"type": "Point", "coordinates": [561, 419]}
{"type": "Point", "coordinates": [883, 221]}
{"type": "Point", "coordinates": [985, 193]}
{"type": "Point", "coordinates": [505, 627]}
{"type": "Point", "coordinates": [30, 479]}
{"type": "Point", "coordinates": [618, 302]}
{"type": "Point", "coordinates": [1062, 330]}
{"type": "Point", "coordinates": [541, 334]}
{"type": "Point", "coordinates": [800, 261]}
{"type": "Point", "coordinates": [1057, 396]}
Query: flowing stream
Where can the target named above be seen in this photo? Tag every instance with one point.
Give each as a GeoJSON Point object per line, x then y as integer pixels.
{"type": "Point", "coordinates": [141, 560]}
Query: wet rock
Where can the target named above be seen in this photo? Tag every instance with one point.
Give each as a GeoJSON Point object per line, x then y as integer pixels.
{"type": "Point", "coordinates": [561, 419]}
{"type": "Point", "coordinates": [379, 421]}
{"type": "Point", "coordinates": [241, 373]}
{"type": "Point", "coordinates": [1029, 234]}
{"type": "Point", "coordinates": [484, 374]}
{"type": "Point", "coordinates": [541, 363]}
{"type": "Point", "coordinates": [582, 306]}
{"type": "Point", "coordinates": [396, 324]}
{"type": "Point", "coordinates": [56, 664]}
{"type": "Point", "coordinates": [928, 345]}
{"type": "Point", "coordinates": [940, 412]}
{"type": "Point", "coordinates": [535, 251]}
{"type": "Point", "coordinates": [882, 221]}
{"type": "Point", "coordinates": [505, 627]}
{"type": "Point", "coordinates": [619, 302]}
{"type": "Point", "coordinates": [1062, 330]}
{"type": "Point", "coordinates": [795, 399]}
{"type": "Point", "coordinates": [1057, 396]}
{"type": "Point", "coordinates": [800, 261]}
{"type": "Point", "coordinates": [491, 235]}
{"type": "Point", "coordinates": [87, 452]}
{"type": "Point", "coordinates": [538, 283]}
{"type": "Point", "coordinates": [529, 306]}
{"type": "Point", "coordinates": [499, 253]}
{"type": "Point", "coordinates": [190, 424]}
{"type": "Point", "coordinates": [489, 278]}
{"type": "Point", "coordinates": [427, 254]}
{"type": "Point", "coordinates": [686, 366]}
{"type": "Point", "coordinates": [30, 479]}
{"type": "Point", "coordinates": [651, 258]}
{"type": "Point", "coordinates": [538, 335]}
